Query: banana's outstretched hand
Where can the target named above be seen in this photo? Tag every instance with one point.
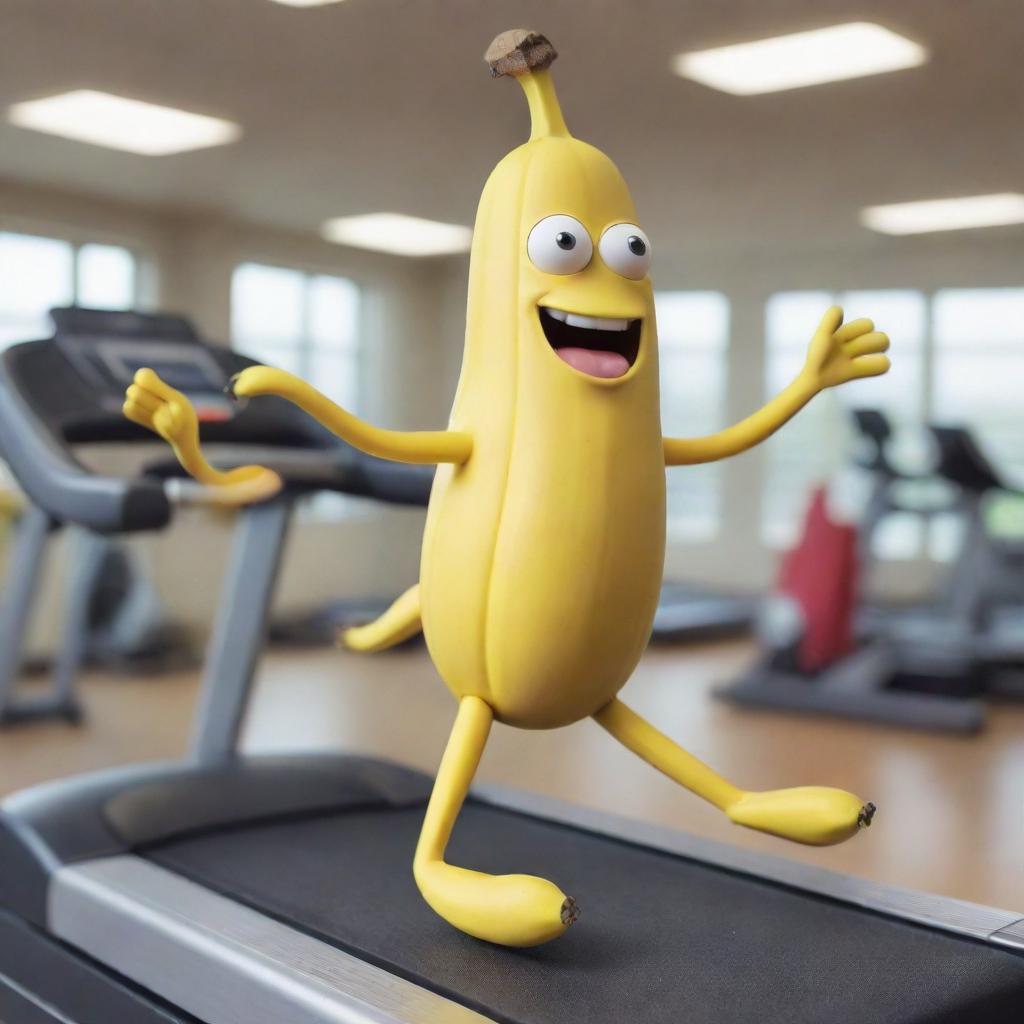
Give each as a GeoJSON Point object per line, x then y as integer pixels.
{"type": "Point", "coordinates": [842, 352]}
{"type": "Point", "coordinates": [838, 353]}
{"type": "Point", "coordinates": [168, 413]}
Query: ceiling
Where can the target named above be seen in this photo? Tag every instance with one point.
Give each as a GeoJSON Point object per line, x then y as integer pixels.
{"type": "Point", "coordinates": [375, 105]}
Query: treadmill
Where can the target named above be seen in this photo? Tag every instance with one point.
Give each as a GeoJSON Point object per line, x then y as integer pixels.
{"type": "Point", "coordinates": [985, 592]}
{"type": "Point", "coordinates": [109, 612]}
{"type": "Point", "coordinates": [234, 889]}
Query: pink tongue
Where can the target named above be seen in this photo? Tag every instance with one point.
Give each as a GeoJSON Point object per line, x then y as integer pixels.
{"type": "Point", "coordinates": [594, 362]}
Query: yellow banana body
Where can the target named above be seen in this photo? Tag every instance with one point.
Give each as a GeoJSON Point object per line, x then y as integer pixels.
{"type": "Point", "coordinates": [543, 554]}
{"type": "Point", "coordinates": [544, 544]}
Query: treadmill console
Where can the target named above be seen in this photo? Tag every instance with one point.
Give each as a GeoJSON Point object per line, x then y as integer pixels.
{"type": "Point", "coordinates": [106, 349]}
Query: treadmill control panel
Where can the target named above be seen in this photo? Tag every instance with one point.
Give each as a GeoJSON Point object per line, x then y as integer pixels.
{"type": "Point", "coordinates": [109, 366]}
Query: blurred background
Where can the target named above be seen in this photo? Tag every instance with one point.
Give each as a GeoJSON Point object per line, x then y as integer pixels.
{"type": "Point", "coordinates": [769, 189]}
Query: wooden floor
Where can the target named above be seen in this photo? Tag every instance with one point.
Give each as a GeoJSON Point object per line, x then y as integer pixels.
{"type": "Point", "coordinates": [951, 813]}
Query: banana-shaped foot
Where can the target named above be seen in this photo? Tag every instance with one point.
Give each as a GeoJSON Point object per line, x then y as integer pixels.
{"type": "Point", "coordinates": [814, 815]}
{"type": "Point", "coordinates": [510, 910]}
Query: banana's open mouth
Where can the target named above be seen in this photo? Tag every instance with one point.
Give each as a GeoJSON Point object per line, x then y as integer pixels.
{"type": "Point", "coordinates": [597, 346]}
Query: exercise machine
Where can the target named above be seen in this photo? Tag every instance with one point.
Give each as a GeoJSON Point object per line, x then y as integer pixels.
{"type": "Point", "coordinates": [111, 617]}
{"type": "Point", "coordinates": [110, 613]}
{"type": "Point", "coordinates": [813, 660]}
{"type": "Point", "coordinates": [982, 603]}
{"type": "Point", "coordinates": [928, 666]}
{"type": "Point", "coordinates": [276, 890]}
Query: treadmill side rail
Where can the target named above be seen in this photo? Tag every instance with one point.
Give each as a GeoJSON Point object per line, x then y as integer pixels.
{"type": "Point", "coordinates": [975, 920]}
{"type": "Point", "coordinates": [1012, 935]}
{"type": "Point", "coordinates": [222, 961]}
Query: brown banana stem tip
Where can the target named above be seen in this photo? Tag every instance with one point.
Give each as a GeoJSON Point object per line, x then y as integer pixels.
{"type": "Point", "coordinates": [867, 812]}
{"type": "Point", "coordinates": [570, 912]}
{"type": "Point", "coordinates": [518, 51]}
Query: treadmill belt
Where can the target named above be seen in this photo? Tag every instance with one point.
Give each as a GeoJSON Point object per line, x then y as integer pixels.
{"type": "Point", "coordinates": [661, 939]}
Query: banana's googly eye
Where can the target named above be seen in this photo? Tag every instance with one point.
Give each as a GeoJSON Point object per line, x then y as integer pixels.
{"type": "Point", "coordinates": [627, 250]}
{"type": "Point", "coordinates": [559, 244]}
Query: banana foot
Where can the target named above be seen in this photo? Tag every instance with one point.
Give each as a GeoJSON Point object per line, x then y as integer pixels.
{"type": "Point", "coordinates": [814, 815]}
{"type": "Point", "coordinates": [510, 910]}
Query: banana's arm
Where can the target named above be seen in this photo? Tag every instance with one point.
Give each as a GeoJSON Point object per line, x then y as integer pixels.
{"type": "Point", "coordinates": [688, 451]}
{"type": "Point", "coordinates": [400, 622]}
{"type": "Point", "coordinates": [427, 446]}
{"type": "Point", "coordinates": [262, 482]}
{"type": "Point", "coordinates": [168, 413]}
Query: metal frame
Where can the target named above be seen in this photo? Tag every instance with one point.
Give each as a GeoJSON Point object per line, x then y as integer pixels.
{"type": "Point", "coordinates": [227, 963]}
{"type": "Point", "coordinates": [19, 595]}
{"type": "Point", "coordinates": [223, 962]}
{"type": "Point", "coordinates": [240, 628]}
{"type": "Point", "coordinates": [90, 551]}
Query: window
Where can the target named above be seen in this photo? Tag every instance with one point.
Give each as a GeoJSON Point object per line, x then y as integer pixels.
{"type": "Point", "coordinates": [307, 324]}
{"type": "Point", "coordinates": [978, 370]}
{"type": "Point", "coordinates": [304, 323]}
{"type": "Point", "coordinates": [693, 342]}
{"type": "Point", "coordinates": [811, 447]}
{"type": "Point", "coordinates": [38, 273]}
{"type": "Point", "coordinates": [979, 367]}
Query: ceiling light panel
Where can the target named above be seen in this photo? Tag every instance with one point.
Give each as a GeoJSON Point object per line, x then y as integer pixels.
{"type": "Point", "coordinates": [117, 122]}
{"type": "Point", "coordinates": [399, 234]}
{"type": "Point", "coordinates": [958, 214]}
{"type": "Point", "coordinates": [794, 61]}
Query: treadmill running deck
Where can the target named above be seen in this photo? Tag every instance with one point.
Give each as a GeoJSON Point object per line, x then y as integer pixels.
{"type": "Point", "coordinates": [660, 939]}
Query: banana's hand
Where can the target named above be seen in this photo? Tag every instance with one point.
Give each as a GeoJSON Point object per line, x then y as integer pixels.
{"type": "Point", "coordinates": [842, 352]}
{"type": "Point", "coordinates": [157, 406]}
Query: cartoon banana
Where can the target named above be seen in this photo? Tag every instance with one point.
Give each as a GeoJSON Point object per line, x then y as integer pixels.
{"type": "Point", "coordinates": [544, 543]}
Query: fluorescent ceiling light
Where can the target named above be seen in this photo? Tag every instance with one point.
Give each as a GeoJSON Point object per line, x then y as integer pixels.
{"type": "Point", "coordinates": [804, 58]}
{"type": "Point", "coordinates": [306, 3]}
{"type": "Point", "coordinates": [945, 214]}
{"type": "Point", "coordinates": [396, 233]}
{"type": "Point", "coordinates": [121, 123]}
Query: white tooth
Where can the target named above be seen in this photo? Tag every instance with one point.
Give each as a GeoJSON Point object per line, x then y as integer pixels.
{"type": "Point", "coordinates": [596, 323]}
{"type": "Point", "coordinates": [558, 314]}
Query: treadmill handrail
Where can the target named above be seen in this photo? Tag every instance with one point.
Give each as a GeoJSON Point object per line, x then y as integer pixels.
{"type": "Point", "coordinates": [56, 481]}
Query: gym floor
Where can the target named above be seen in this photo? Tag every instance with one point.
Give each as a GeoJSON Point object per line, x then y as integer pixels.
{"type": "Point", "coordinates": [949, 819]}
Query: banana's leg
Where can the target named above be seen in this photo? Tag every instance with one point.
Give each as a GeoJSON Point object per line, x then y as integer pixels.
{"type": "Point", "coordinates": [512, 910]}
{"type": "Point", "coordinates": [398, 623]}
{"type": "Point", "coordinates": [814, 815]}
